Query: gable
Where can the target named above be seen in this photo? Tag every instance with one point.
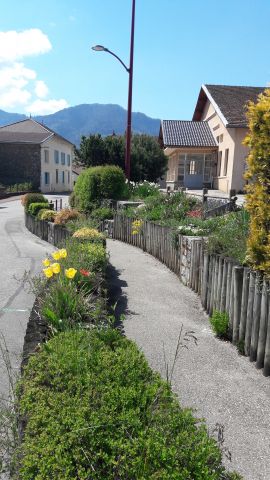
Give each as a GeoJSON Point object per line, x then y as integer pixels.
{"type": "Point", "coordinates": [229, 102]}
{"type": "Point", "coordinates": [25, 126]}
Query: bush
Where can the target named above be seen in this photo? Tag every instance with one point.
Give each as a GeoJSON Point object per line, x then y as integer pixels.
{"type": "Point", "coordinates": [229, 237]}
{"type": "Point", "coordinates": [29, 198]}
{"type": "Point", "coordinates": [96, 410]}
{"type": "Point", "coordinates": [220, 324]}
{"type": "Point", "coordinates": [97, 183]}
{"type": "Point", "coordinates": [66, 215]}
{"type": "Point", "coordinates": [102, 213]}
{"type": "Point", "coordinates": [45, 214]}
{"type": "Point", "coordinates": [81, 222]}
{"type": "Point", "coordinates": [144, 190]}
{"type": "Point", "coordinates": [90, 234]}
{"type": "Point", "coordinates": [34, 208]}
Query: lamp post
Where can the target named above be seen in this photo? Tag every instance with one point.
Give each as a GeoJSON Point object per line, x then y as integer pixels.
{"type": "Point", "coordinates": [100, 48]}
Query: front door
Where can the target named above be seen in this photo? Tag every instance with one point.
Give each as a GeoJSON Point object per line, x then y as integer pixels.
{"type": "Point", "coordinates": [194, 171]}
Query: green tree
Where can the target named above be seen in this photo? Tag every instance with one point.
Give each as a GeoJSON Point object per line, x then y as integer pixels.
{"type": "Point", "coordinates": [148, 161]}
{"type": "Point", "coordinates": [91, 152]}
{"type": "Point", "coordinates": [258, 174]}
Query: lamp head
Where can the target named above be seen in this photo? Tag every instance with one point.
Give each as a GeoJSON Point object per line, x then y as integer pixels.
{"type": "Point", "coordinates": [99, 48]}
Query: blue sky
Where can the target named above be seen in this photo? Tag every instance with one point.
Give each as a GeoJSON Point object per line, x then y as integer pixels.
{"type": "Point", "coordinates": [46, 62]}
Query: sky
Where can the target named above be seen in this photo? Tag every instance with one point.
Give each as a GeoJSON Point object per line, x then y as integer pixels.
{"type": "Point", "coordinates": [46, 61]}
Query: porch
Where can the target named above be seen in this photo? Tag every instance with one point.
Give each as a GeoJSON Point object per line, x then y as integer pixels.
{"type": "Point", "coordinates": [191, 169]}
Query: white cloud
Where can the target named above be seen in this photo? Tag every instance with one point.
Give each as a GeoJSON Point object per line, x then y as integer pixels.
{"type": "Point", "coordinates": [14, 97]}
{"type": "Point", "coordinates": [41, 89]}
{"type": "Point", "coordinates": [45, 107]}
{"type": "Point", "coordinates": [20, 85]}
{"type": "Point", "coordinates": [17, 45]}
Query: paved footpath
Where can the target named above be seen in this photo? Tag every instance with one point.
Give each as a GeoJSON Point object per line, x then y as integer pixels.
{"type": "Point", "coordinates": [221, 385]}
{"type": "Point", "coordinates": [20, 251]}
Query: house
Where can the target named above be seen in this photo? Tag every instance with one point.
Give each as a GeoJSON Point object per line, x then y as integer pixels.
{"type": "Point", "coordinates": [32, 152]}
{"type": "Point", "coordinates": [192, 151]}
{"type": "Point", "coordinates": [76, 171]}
{"type": "Point", "coordinates": [223, 108]}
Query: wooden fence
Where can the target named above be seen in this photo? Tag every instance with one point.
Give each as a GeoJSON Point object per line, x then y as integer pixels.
{"type": "Point", "coordinates": [220, 282]}
{"type": "Point", "coordinates": [48, 231]}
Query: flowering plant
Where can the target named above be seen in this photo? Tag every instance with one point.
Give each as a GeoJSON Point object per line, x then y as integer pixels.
{"type": "Point", "coordinates": [136, 227]}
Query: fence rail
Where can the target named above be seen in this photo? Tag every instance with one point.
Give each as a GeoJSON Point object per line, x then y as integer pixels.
{"type": "Point", "coordinates": [220, 282]}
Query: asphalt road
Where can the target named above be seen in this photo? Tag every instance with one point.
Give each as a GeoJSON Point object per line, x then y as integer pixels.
{"type": "Point", "coordinates": [222, 386]}
{"type": "Point", "coordinates": [20, 251]}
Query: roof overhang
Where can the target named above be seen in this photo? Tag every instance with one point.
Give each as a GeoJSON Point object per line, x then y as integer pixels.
{"type": "Point", "coordinates": [205, 95]}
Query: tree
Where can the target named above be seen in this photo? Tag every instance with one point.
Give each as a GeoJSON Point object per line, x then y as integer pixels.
{"type": "Point", "coordinates": [148, 161]}
{"type": "Point", "coordinates": [258, 174]}
{"type": "Point", "coordinates": [91, 152]}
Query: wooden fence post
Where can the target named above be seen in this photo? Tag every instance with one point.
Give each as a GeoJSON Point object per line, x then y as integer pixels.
{"type": "Point", "coordinates": [205, 279]}
{"type": "Point", "coordinates": [223, 286]}
{"type": "Point", "coordinates": [256, 320]}
{"type": "Point", "coordinates": [244, 305]}
{"type": "Point", "coordinates": [238, 284]}
{"type": "Point", "coordinates": [263, 327]}
{"type": "Point", "coordinates": [249, 313]}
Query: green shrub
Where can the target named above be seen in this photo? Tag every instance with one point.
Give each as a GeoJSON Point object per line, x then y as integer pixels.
{"type": "Point", "coordinates": [34, 208]}
{"type": "Point", "coordinates": [29, 198]}
{"type": "Point", "coordinates": [82, 222]}
{"type": "Point", "coordinates": [95, 410]}
{"type": "Point", "coordinates": [102, 213]}
{"type": "Point", "coordinates": [229, 238]}
{"type": "Point", "coordinates": [45, 214]}
{"type": "Point", "coordinates": [220, 324]}
{"type": "Point", "coordinates": [97, 183]}
{"type": "Point", "coordinates": [86, 255]}
{"type": "Point", "coordinates": [89, 234]}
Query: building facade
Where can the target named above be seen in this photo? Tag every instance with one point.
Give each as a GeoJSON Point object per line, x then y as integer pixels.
{"type": "Point", "coordinates": [31, 152]}
{"type": "Point", "coordinates": [223, 108]}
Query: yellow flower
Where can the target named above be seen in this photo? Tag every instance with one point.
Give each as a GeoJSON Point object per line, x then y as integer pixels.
{"type": "Point", "coordinates": [56, 255]}
{"type": "Point", "coordinates": [63, 253]}
{"type": "Point", "coordinates": [48, 272]}
{"type": "Point", "coordinates": [46, 262]}
{"type": "Point", "coordinates": [55, 267]}
{"type": "Point", "coordinates": [70, 272]}
{"type": "Point", "coordinates": [135, 232]}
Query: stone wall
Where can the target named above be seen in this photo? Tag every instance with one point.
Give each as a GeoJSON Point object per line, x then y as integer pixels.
{"type": "Point", "coordinates": [20, 163]}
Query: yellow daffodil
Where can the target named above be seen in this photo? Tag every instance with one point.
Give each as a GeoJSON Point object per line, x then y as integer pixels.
{"type": "Point", "coordinates": [46, 262]}
{"type": "Point", "coordinates": [48, 272]}
{"type": "Point", "coordinates": [56, 255]}
{"type": "Point", "coordinates": [63, 253]}
{"type": "Point", "coordinates": [70, 272]}
{"type": "Point", "coordinates": [55, 267]}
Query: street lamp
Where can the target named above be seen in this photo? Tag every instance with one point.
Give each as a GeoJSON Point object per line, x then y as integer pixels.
{"type": "Point", "coordinates": [100, 48]}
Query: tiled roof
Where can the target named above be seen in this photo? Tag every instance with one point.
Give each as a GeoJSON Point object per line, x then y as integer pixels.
{"type": "Point", "coordinates": [180, 133]}
{"type": "Point", "coordinates": [24, 137]}
{"type": "Point", "coordinates": [231, 101]}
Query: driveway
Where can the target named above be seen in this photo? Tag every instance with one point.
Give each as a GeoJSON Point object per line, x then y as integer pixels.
{"type": "Point", "coordinates": [221, 385]}
{"type": "Point", "coordinates": [20, 251]}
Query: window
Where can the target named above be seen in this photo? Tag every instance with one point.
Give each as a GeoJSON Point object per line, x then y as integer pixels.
{"type": "Point", "coordinates": [56, 176]}
{"type": "Point", "coordinates": [194, 164]}
{"type": "Point", "coordinates": [225, 168]}
{"type": "Point", "coordinates": [46, 156]}
{"type": "Point", "coordinates": [68, 176]}
{"type": "Point", "coordinates": [63, 158]}
{"type": "Point", "coordinates": [219, 163]}
{"type": "Point", "coordinates": [46, 178]}
{"type": "Point", "coordinates": [68, 160]}
{"type": "Point", "coordinates": [56, 156]}
{"type": "Point", "coordinates": [63, 177]}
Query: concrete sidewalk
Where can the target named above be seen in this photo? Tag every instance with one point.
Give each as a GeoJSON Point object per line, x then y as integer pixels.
{"type": "Point", "coordinates": [222, 386]}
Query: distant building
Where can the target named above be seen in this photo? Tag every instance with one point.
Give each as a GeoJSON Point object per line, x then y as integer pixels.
{"type": "Point", "coordinates": [221, 112]}
{"type": "Point", "coordinates": [32, 152]}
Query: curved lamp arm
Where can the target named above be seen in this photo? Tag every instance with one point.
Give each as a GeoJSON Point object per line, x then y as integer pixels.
{"type": "Point", "coordinates": [100, 48]}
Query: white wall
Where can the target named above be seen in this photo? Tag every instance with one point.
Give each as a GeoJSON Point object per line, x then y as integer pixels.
{"type": "Point", "coordinates": [50, 167]}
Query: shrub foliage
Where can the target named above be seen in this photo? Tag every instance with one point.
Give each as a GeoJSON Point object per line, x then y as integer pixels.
{"type": "Point", "coordinates": [96, 410]}
{"type": "Point", "coordinates": [258, 174]}
{"type": "Point", "coordinates": [29, 198]}
{"type": "Point", "coordinates": [97, 183]}
{"type": "Point", "coordinates": [34, 208]}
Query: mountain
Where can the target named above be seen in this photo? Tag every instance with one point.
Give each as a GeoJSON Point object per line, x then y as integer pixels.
{"type": "Point", "coordinates": [85, 119]}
